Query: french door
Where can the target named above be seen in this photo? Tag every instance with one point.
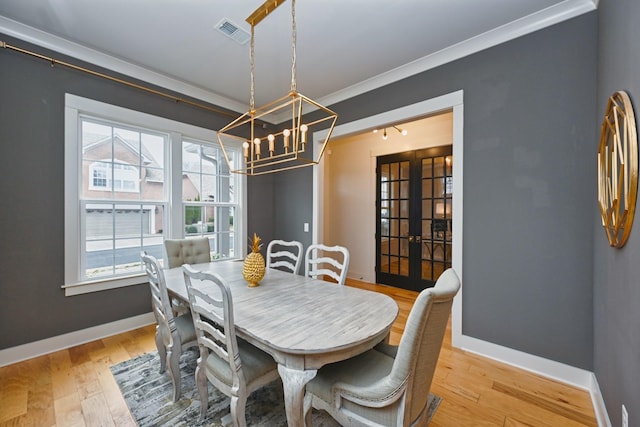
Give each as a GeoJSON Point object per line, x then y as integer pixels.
{"type": "Point", "coordinates": [413, 217]}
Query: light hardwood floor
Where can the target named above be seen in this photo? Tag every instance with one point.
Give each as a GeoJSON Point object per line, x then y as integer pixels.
{"type": "Point", "coordinates": [74, 387]}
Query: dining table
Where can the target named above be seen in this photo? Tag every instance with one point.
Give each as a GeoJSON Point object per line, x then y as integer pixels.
{"type": "Point", "coordinates": [304, 323]}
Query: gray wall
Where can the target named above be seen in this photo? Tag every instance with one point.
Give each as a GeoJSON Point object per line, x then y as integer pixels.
{"type": "Point", "coordinates": [32, 195]}
{"type": "Point", "coordinates": [529, 135]}
{"type": "Point", "coordinates": [529, 169]}
{"type": "Point", "coordinates": [617, 271]}
{"type": "Point", "coordinates": [280, 204]}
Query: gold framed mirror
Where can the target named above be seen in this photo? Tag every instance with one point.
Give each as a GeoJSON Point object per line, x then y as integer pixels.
{"type": "Point", "coordinates": [618, 169]}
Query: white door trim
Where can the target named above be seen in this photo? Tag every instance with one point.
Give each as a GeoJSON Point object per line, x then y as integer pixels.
{"type": "Point", "coordinates": [452, 101]}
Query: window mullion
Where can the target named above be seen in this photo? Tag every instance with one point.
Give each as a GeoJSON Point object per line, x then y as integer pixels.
{"type": "Point", "coordinates": [174, 171]}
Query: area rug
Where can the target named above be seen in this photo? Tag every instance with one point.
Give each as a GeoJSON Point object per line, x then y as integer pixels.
{"type": "Point", "coordinates": [148, 395]}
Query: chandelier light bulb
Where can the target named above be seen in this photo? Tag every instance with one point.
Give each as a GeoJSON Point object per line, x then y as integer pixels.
{"type": "Point", "coordinates": [271, 138]}
{"type": "Point", "coordinates": [303, 129]}
{"type": "Point", "coordinates": [245, 145]}
{"type": "Point", "coordinates": [257, 144]}
{"type": "Point", "coordinates": [286, 134]}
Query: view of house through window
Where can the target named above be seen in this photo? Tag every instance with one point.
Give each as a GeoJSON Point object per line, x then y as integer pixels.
{"type": "Point", "coordinates": [123, 196]}
{"type": "Point", "coordinates": [208, 197]}
{"type": "Point", "coordinates": [131, 194]}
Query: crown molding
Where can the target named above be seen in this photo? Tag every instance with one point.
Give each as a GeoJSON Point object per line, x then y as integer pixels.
{"type": "Point", "coordinates": [552, 15]}
{"type": "Point", "coordinates": [528, 24]}
{"type": "Point", "coordinates": [65, 47]}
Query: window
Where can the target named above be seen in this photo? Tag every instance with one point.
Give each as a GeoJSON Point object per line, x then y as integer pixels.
{"type": "Point", "coordinates": [133, 180]}
{"type": "Point", "coordinates": [208, 197]}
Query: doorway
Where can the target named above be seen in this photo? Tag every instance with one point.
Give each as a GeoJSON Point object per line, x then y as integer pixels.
{"type": "Point", "coordinates": [323, 227]}
{"type": "Point", "coordinates": [413, 217]}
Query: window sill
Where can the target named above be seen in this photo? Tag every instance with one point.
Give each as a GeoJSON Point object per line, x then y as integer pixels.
{"type": "Point", "coordinates": [103, 285]}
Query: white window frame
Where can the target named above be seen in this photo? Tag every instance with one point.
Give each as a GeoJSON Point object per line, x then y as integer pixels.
{"type": "Point", "coordinates": [75, 107]}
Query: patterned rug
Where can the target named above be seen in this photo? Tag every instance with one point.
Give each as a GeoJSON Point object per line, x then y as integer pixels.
{"type": "Point", "coordinates": [148, 395]}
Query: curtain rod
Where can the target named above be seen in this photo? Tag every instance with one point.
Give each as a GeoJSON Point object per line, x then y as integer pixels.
{"type": "Point", "coordinates": [54, 61]}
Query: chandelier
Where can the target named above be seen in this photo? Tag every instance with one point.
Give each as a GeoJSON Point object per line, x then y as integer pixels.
{"type": "Point", "coordinates": [288, 148]}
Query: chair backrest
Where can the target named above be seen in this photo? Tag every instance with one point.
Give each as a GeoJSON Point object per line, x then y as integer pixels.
{"type": "Point", "coordinates": [285, 254]}
{"type": "Point", "coordinates": [160, 303]}
{"type": "Point", "coordinates": [332, 261]}
{"type": "Point", "coordinates": [214, 324]}
{"type": "Point", "coordinates": [187, 251]}
{"type": "Point", "coordinates": [421, 341]}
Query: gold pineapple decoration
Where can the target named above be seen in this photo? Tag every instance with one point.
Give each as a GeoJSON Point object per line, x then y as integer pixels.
{"type": "Point", "coordinates": [254, 266]}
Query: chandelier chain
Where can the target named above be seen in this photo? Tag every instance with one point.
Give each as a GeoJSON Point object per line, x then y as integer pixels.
{"type": "Point", "coordinates": [252, 101]}
{"type": "Point", "coordinates": [293, 45]}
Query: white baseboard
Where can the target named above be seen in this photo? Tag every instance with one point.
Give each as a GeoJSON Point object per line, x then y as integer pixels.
{"type": "Point", "coordinates": [570, 375]}
{"type": "Point", "coordinates": [598, 404]}
{"type": "Point", "coordinates": [60, 342]}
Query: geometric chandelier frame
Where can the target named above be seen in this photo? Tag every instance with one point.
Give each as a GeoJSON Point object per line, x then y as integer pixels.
{"type": "Point", "coordinates": [288, 148]}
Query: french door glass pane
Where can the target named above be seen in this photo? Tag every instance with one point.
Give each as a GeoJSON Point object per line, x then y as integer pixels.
{"type": "Point", "coordinates": [404, 170]}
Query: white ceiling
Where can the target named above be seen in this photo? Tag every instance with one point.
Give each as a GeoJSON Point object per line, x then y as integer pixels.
{"type": "Point", "coordinates": [344, 47]}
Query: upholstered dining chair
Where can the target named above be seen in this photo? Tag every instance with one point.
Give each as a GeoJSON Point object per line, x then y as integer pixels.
{"type": "Point", "coordinates": [285, 254]}
{"type": "Point", "coordinates": [389, 385]}
{"type": "Point", "coordinates": [232, 365]}
{"type": "Point", "coordinates": [174, 334]}
{"type": "Point", "coordinates": [187, 251]}
{"type": "Point", "coordinates": [332, 261]}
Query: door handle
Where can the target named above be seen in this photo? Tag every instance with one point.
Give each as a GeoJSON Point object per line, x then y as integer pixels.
{"type": "Point", "coordinates": [417, 239]}
{"type": "Point", "coordinates": [410, 239]}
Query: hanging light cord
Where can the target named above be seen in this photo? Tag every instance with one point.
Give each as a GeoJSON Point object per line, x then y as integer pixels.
{"type": "Point", "coordinates": [293, 46]}
{"type": "Point", "coordinates": [252, 101]}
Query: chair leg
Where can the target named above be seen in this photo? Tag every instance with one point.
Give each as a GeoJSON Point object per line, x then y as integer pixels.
{"type": "Point", "coordinates": [238, 404]}
{"type": "Point", "coordinates": [201, 383]}
{"type": "Point", "coordinates": [173, 354]}
{"type": "Point", "coordinates": [162, 350]}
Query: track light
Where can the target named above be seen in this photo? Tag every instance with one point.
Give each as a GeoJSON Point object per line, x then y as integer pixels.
{"type": "Point", "coordinates": [402, 132]}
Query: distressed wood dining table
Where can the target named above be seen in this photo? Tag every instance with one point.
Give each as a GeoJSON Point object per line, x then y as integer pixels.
{"type": "Point", "coordinates": [303, 323]}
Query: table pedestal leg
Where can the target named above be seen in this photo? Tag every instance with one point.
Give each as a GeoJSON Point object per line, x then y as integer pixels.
{"type": "Point", "coordinates": [294, 382]}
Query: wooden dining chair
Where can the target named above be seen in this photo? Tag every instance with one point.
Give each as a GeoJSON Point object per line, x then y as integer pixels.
{"type": "Point", "coordinates": [285, 254]}
{"type": "Point", "coordinates": [187, 251]}
{"type": "Point", "coordinates": [389, 385]}
{"type": "Point", "coordinates": [174, 334]}
{"type": "Point", "coordinates": [232, 365]}
{"type": "Point", "coordinates": [332, 261]}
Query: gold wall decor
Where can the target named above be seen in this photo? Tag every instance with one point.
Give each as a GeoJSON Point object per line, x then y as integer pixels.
{"type": "Point", "coordinates": [618, 169]}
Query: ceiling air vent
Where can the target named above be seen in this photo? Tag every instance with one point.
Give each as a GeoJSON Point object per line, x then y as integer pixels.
{"type": "Point", "coordinates": [231, 30]}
